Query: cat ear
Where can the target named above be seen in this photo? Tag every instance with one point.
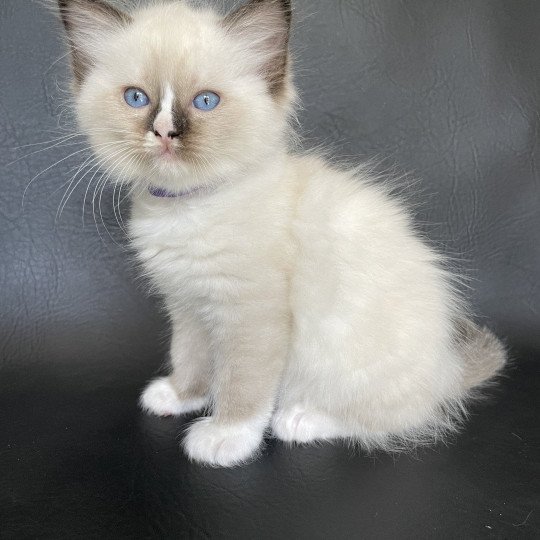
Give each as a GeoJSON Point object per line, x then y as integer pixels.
{"type": "Point", "coordinates": [264, 27]}
{"type": "Point", "coordinates": [88, 23]}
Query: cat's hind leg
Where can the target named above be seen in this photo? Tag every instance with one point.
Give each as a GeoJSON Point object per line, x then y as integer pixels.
{"type": "Point", "coordinates": [300, 424]}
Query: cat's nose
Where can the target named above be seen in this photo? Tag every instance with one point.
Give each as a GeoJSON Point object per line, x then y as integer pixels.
{"type": "Point", "coordinates": [169, 134]}
{"type": "Point", "coordinates": [164, 127]}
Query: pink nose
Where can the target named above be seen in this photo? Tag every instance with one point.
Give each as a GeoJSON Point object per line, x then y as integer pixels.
{"type": "Point", "coordinates": [164, 127]}
{"type": "Point", "coordinates": [169, 134]}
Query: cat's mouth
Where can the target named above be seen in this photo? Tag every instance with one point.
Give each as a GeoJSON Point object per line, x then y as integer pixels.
{"type": "Point", "coordinates": [162, 150]}
{"type": "Point", "coordinates": [167, 153]}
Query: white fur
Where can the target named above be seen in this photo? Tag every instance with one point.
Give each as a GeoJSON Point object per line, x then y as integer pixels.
{"type": "Point", "coordinates": [221, 445]}
{"type": "Point", "coordinates": [371, 307]}
{"type": "Point", "coordinates": [161, 399]}
{"type": "Point", "coordinates": [300, 425]}
{"type": "Point", "coordinates": [295, 289]}
{"type": "Point", "coordinates": [163, 123]}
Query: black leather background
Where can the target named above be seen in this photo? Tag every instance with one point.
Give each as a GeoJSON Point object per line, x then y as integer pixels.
{"type": "Point", "coordinates": [447, 90]}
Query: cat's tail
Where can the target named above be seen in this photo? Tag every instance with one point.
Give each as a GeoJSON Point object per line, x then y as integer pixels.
{"type": "Point", "coordinates": [484, 354]}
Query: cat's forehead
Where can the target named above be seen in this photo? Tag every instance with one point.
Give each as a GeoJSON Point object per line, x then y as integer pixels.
{"type": "Point", "coordinates": [174, 41]}
{"type": "Point", "coordinates": [176, 22]}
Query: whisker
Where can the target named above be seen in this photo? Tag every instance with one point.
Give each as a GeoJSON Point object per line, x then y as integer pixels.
{"type": "Point", "coordinates": [68, 136]}
{"type": "Point", "coordinates": [101, 186]}
{"type": "Point", "coordinates": [90, 160]}
{"type": "Point", "coordinates": [78, 168]}
{"type": "Point", "coordinates": [137, 162]}
{"type": "Point", "coordinates": [86, 149]}
{"type": "Point", "coordinates": [69, 192]}
{"type": "Point", "coordinates": [120, 180]}
{"type": "Point", "coordinates": [87, 163]}
{"type": "Point", "coordinates": [98, 170]}
{"type": "Point", "coordinates": [48, 169]}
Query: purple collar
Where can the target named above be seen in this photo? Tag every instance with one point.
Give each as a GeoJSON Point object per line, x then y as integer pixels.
{"type": "Point", "coordinates": [162, 193]}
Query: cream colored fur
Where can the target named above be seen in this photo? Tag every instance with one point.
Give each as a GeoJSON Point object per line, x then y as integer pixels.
{"type": "Point", "coordinates": [300, 296]}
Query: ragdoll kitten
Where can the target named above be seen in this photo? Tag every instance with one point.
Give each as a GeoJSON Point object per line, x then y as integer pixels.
{"type": "Point", "coordinates": [301, 298]}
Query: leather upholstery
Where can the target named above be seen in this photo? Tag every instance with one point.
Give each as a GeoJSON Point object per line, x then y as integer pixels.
{"type": "Point", "coordinates": [447, 91]}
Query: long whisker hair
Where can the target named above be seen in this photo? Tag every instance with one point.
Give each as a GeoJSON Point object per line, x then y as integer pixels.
{"type": "Point", "coordinates": [112, 149]}
{"type": "Point", "coordinates": [100, 186]}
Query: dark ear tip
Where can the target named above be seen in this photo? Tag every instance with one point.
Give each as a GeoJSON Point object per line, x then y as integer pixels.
{"type": "Point", "coordinates": [286, 6]}
{"type": "Point", "coordinates": [99, 7]}
{"type": "Point", "coordinates": [63, 6]}
{"type": "Point", "coordinates": [287, 9]}
{"type": "Point", "coordinates": [248, 7]}
{"type": "Point", "coordinates": [63, 9]}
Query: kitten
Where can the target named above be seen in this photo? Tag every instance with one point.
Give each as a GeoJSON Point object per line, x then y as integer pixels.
{"type": "Point", "coordinates": [301, 298]}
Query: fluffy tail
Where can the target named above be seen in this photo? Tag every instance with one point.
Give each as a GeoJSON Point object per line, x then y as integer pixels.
{"type": "Point", "coordinates": [484, 354]}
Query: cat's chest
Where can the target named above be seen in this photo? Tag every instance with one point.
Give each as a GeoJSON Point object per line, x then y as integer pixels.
{"type": "Point", "coordinates": [189, 254]}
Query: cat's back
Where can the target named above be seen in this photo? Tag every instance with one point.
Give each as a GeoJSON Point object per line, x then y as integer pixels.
{"type": "Point", "coordinates": [357, 246]}
{"type": "Point", "coordinates": [349, 209]}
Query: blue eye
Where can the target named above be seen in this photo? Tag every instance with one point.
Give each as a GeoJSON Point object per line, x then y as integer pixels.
{"type": "Point", "coordinates": [136, 98]}
{"type": "Point", "coordinates": [206, 101]}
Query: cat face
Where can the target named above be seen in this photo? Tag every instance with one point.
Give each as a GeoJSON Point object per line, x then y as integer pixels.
{"type": "Point", "coordinates": [181, 96]}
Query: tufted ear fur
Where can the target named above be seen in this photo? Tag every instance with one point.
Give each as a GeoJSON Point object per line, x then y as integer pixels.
{"type": "Point", "coordinates": [88, 23]}
{"type": "Point", "coordinates": [264, 27]}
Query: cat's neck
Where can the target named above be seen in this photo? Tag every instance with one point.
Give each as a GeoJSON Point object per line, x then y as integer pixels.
{"type": "Point", "coordinates": [263, 175]}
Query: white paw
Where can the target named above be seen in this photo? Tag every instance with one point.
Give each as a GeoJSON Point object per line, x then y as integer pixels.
{"type": "Point", "coordinates": [222, 445]}
{"type": "Point", "coordinates": [160, 398]}
{"type": "Point", "coordinates": [303, 426]}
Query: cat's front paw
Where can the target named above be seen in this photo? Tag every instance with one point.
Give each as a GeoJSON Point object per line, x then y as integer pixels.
{"type": "Point", "coordinates": [161, 399]}
{"type": "Point", "coordinates": [223, 445]}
